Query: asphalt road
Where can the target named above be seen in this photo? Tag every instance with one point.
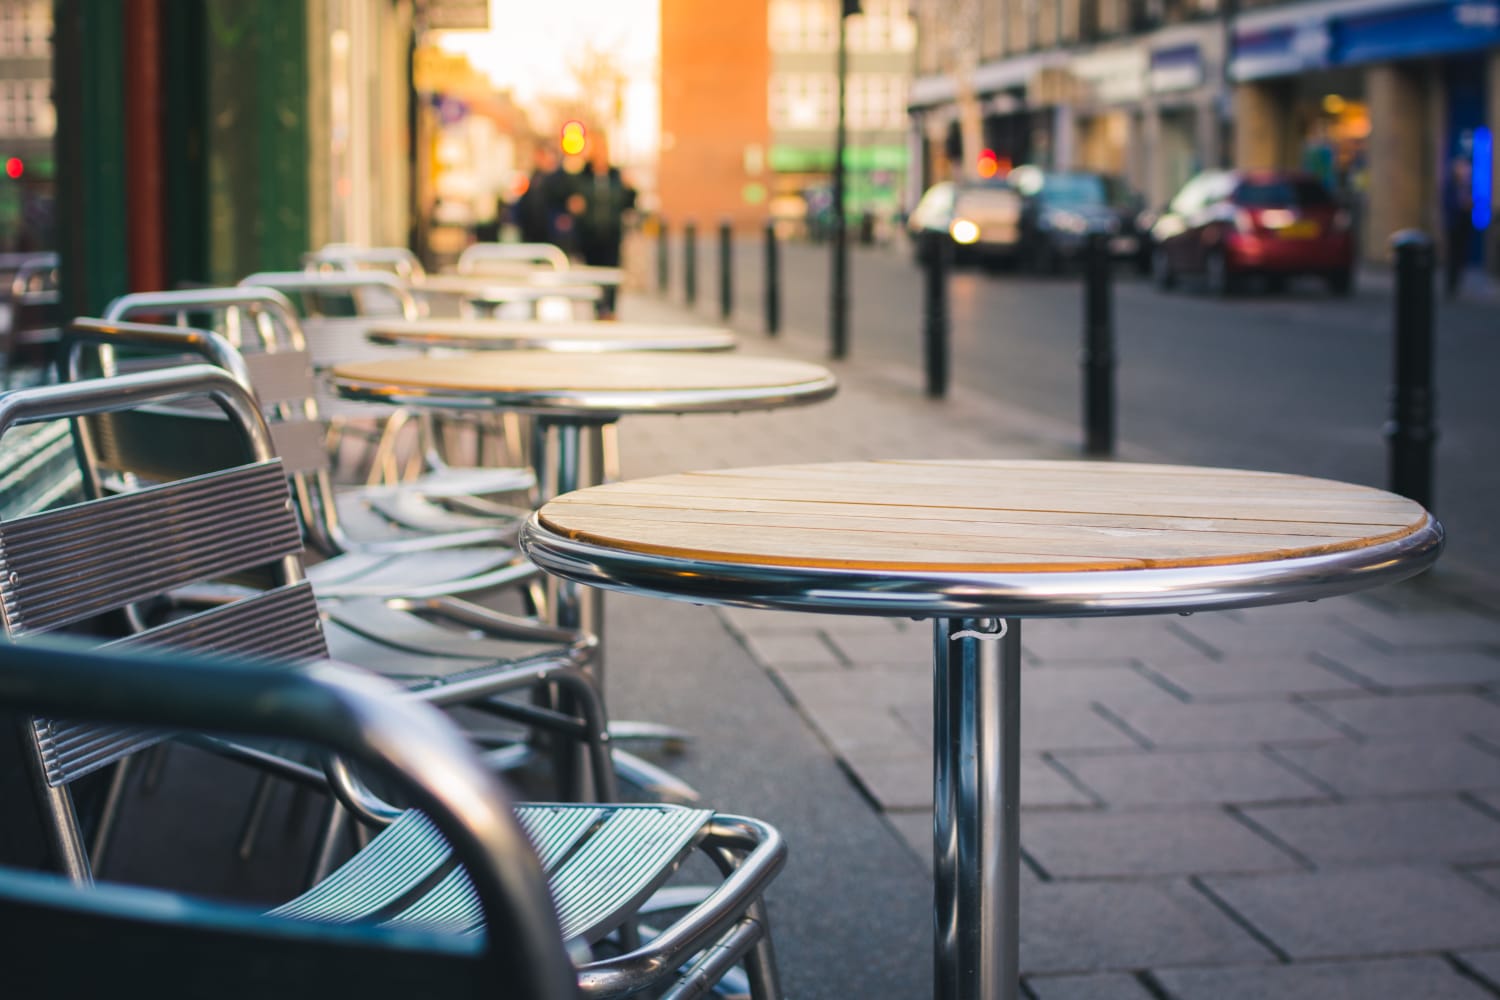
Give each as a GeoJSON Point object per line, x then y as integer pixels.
{"type": "Point", "coordinates": [1296, 381]}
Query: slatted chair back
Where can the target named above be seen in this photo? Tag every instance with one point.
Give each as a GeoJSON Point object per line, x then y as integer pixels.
{"type": "Point", "coordinates": [374, 293]}
{"type": "Point", "coordinates": [481, 258]}
{"type": "Point", "coordinates": [68, 940]}
{"type": "Point", "coordinates": [78, 568]}
{"type": "Point", "coordinates": [344, 256]}
{"type": "Point", "coordinates": [277, 368]}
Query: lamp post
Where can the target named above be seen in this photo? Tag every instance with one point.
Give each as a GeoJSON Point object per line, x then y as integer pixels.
{"type": "Point", "coordinates": [839, 305]}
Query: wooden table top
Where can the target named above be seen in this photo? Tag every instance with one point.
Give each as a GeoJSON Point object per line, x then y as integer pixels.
{"type": "Point", "coordinates": [986, 517]}
{"type": "Point", "coordinates": [595, 335]}
{"type": "Point", "coordinates": [624, 382]}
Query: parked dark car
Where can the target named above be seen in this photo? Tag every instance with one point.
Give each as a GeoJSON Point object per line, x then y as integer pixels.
{"type": "Point", "coordinates": [980, 219]}
{"type": "Point", "coordinates": [1226, 225]}
{"type": "Point", "coordinates": [1062, 209]}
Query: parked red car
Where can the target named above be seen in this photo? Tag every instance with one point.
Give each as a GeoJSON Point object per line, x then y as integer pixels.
{"type": "Point", "coordinates": [1227, 224]}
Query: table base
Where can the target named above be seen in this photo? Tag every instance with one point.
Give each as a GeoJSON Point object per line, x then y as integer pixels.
{"type": "Point", "coordinates": [976, 807]}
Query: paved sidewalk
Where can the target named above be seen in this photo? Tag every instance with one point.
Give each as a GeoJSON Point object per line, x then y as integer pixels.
{"type": "Point", "coordinates": [1293, 802]}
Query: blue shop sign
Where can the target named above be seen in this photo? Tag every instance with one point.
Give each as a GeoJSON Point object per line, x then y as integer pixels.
{"type": "Point", "coordinates": [1279, 48]}
{"type": "Point", "coordinates": [1177, 68]}
{"type": "Point", "coordinates": [1413, 31]}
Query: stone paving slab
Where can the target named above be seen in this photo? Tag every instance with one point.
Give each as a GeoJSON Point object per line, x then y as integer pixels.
{"type": "Point", "coordinates": [1486, 964]}
{"type": "Point", "coordinates": [1420, 669]}
{"type": "Point", "coordinates": [1084, 927]}
{"type": "Point", "coordinates": [1094, 844]}
{"type": "Point", "coordinates": [1384, 979]}
{"type": "Point", "coordinates": [1235, 724]}
{"type": "Point", "coordinates": [1067, 726]}
{"type": "Point", "coordinates": [1488, 876]}
{"type": "Point", "coordinates": [1063, 641]}
{"type": "Point", "coordinates": [1375, 911]}
{"type": "Point", "coordinates": [1106, 986]}
{"type": "Point", "coordinates": [1384, 830]}
{"type": "Point", "coordinates": [1420, 629]}
{"type": "Point", "coordinates": [1397, 767]}
{"type": "Point", "coordinates": [1177, 777]}
{"type": "Point", "coordinates": [1412, 716]}
{"type": "Point", "coordinates": [1251, 677]}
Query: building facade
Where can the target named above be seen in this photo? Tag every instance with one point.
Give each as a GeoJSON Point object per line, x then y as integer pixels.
{"type": "Point", "coordinates": [750, 103]}
{"type": "Point", "coordinates": [28, 124]}
{"type": "Point", "coordinates": [1379, 97]}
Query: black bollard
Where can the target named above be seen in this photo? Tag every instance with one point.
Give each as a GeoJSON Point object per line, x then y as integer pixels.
{"type": "Point", "coordinates": [726, 270]}
{"type": "Point", "coordinates": [1098, 350]}
{"type": "Point", "coordinates": [1412, 430]}
{"type": "Point", "coordinates": [935, 250]}
{"type": "Point", "coordinates": [663, 256]}
{"type": "Point", "coordinates": [773, 282]}
{"type": "Point", "coordinates": [690, 263]}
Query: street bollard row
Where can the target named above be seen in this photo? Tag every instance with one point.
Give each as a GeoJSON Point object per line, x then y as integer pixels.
{"type": "Point", "coordinates": [1411, 431]}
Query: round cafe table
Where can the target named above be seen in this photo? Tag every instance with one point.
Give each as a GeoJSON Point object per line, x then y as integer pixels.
{"type": "Point", "coordinates": [977, 546]}
{"type": "Point", "coordinates": [574, 398]}
{"type": "Point", "coordinates": [582, 337]}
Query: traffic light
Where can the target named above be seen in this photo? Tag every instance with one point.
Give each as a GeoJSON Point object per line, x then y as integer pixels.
{"type": "Point", "coordinates": [14, 167]}
{"type": "Point", "coordinates": [851, 7]}
{"type": "Point", "coordinates": [988, 165]}
{"type": "Point", "coordinates": [574, 136]}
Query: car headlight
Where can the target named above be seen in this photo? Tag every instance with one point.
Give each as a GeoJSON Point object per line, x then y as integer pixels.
{"type": "Point", "coordinates": [964, 231]}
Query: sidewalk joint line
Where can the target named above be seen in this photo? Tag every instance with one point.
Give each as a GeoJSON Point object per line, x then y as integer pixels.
{"type": "Point", "coordinates": [1260, 937]}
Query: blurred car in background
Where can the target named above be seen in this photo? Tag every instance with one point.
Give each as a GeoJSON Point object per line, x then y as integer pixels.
{"type": "Point", "coordinates": [981, 220]}
{"type": "Point", "coordinates": [1226, 225]}
{"type": "Point", "coordinates": [1062, 209]}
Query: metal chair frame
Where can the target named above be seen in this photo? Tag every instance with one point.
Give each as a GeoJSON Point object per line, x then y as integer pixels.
{"type": "Point", "coordinates": [66, 567]}
{"type": "Point", "coordinates": [476, 255]}
{"type": "Point", "coordinates": [335, 339]}
{"type": "Point", "coordinates": [275, 363]}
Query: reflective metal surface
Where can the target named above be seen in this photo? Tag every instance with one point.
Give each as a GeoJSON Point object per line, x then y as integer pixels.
{"type": "Point", "coordinates": [590, 337]}
{"type": "Point", "coordinates": [976, 808]}
{"type": "Point", "coordinates": [918, 594]}
{"type": "Point", "coordinates": [815, 385]}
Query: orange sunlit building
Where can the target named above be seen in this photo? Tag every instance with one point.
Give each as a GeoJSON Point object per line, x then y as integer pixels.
{"type": "Point", "coordinates": [714, 124]}
{"type": "Point", "coordinates": [750, 100]}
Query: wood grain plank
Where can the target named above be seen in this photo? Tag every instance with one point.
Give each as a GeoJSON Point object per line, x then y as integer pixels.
{"type": "Point", "coordinates": [984, 516]}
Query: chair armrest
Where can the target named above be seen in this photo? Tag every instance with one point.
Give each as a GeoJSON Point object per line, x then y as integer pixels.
{"type": "Point", "coordinates": [342, 710]}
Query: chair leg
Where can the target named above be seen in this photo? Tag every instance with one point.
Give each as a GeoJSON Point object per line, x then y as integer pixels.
{"type": "Point", "coordinates": [110, 812]}
{"type": "Point", "coordinates": [760, 963]}
{"type": "Point", "coordinates": [330, 837]}
{"type": "Point", "coordinates": [259, 803]}
{"type": "Point", "coordinates": [156, 763]}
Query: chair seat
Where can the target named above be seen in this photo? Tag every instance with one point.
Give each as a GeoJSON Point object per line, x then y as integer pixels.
{"type": "Point", "coordinates": [413, 574]}
{"type": "Point", "coordinates": [383, 514]}
{"type": "Point", "coordinates": [601, 862]}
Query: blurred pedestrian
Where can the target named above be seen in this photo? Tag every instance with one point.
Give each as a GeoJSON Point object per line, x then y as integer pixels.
{"type": "Point", "coordinates": [541, 212]}
{"type": "Point", "coordinates": [1458, 221]}
{"type": "Point", "coordinates": [599, 202]}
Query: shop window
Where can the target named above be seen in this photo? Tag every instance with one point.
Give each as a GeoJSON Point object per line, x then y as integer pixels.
{"type": "Point", "coordinates": [803, 101]}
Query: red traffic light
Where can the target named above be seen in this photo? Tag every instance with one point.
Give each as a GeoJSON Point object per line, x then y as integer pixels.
{"type": "Point", "coordinates": [988, 165]}
{"type": "Point", "coordinates": [14, 168]}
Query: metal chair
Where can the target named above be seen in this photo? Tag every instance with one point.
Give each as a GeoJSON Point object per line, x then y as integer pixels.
{"type": "Point", "coordinates": [369, 632]}
{"type": "Point", "coordinates": [482, 258]}
{"type": "Point", "coordinates": [413, 567]}
{"type": "Point", "coordinates": [257, 322]}
{"type": "Point", "coordinates": [79, 565]}
{"type": "Point", "coordinates": [75, 938]}
{"type": "Point", "coordinates": [334, 337]}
